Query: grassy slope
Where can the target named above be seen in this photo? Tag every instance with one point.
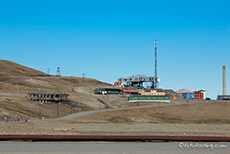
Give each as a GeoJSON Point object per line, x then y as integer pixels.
{"type": "Point", "coordinates": [215, 112]}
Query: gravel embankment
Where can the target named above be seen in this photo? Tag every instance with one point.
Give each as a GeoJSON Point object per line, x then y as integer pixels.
{"type": "Point", "coordinates": [70, 128]}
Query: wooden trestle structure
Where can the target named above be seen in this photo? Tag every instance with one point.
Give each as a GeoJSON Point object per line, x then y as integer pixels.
{"type": "Point", "coordinates": [47, 97]}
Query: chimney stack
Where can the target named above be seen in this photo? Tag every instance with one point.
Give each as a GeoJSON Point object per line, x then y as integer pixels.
{"type": "Point", "coordinates": [224, 81]}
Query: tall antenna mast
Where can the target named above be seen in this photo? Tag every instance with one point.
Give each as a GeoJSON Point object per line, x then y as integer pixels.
{"type": "Point", "coordinates": [155, 83]}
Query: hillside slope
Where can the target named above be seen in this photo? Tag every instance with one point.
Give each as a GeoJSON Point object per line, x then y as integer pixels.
{"type": "Point", "coordinates": [16, 80]}
{"type": "Point", "coordinates": [10, 70]}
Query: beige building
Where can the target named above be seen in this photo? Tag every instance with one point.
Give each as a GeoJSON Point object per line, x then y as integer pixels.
{"type": "Point", "coordinates": [153, 92]}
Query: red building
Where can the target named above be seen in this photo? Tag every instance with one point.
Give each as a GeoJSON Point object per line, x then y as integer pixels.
{"type": "Point", "coordinates": [199, 95]}
{"type": "Point", "coordinates": [130, 92]}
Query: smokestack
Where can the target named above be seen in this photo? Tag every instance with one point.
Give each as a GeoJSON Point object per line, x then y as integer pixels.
{"type": "Point", "coordinates": [155, 82]}
{"type": "Point", "coordinates": [224, 81]}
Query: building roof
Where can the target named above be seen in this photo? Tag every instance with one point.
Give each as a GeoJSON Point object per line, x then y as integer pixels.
{"type": "Point", "coordinates": [158, 90]}
{"type": "Point", "coordinates": [131, 91]}
{"type": "Point", "coordinates": [139, 76]}
{"type": "Point", "coordinates": [139, 88]}
{"type": "Point", "coordinates": [151, 95]}
{"type": "Point", "coordinates": [109, 89]}
{"type": "Point", "coordinates": [183, 91]}
{"type": "Point", "coordinates": [146, 90]}
{"type": "Point", "coordinates": [170, 91]}
{"type": "Point", "coordinates": [199, 91]}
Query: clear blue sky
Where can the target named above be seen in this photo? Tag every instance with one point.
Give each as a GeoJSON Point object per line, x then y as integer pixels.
{"type": "Point", "coordinates": [111, 39]}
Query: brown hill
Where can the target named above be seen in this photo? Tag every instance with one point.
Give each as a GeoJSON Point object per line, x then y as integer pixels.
{"type": "Point", "coordinates": [10, 70]}
{"type": "Point", "coordinates": [16, 80]}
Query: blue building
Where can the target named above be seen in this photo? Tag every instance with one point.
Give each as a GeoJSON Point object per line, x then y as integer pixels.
{"type": "Point", "coordinates": [185, 94]}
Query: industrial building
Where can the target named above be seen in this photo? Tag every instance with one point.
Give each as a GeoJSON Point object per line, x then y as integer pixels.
{"type": "Point", "coordinates": [136, 80]}
{"type": "Point", "coordinates": [107, 91]}
{"type": "Point", "coordinates": [152, 92]}
{"type": "Point", "coordinates": [130, 92]}
{"type": "Point", "coordinates": [152, 82]}
{"type": "Point", "coordinates": [224, 97]}
{"type": "Point", "coordinates": [147, 98]}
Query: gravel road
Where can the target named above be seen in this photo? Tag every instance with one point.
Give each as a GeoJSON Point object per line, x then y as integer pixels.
{"type": "Point", "coordinates": [81, 114]}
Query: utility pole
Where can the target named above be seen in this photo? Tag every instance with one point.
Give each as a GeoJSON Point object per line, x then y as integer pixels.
{"type": "Point", "coordinates": [155, 83]}
{"type": "Point", "coordinates": [83, 75]}
{"type": "Point", "coordinates": [17, 86]}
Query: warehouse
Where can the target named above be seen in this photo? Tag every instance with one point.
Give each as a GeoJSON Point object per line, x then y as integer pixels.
{"type": "Point", "coordinates": [105, 91]}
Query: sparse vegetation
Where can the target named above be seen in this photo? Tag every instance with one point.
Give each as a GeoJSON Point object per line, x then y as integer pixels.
{"type": "Point", "coordinates": [17, 80]}
{"type": "Point", "coordinates": [207, 112]}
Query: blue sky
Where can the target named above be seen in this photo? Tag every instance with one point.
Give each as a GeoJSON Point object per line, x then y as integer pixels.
{"type": "Point", "coordinates": [111, 39]}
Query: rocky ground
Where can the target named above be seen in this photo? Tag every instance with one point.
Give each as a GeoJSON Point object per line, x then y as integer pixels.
{"type": "Point", "coordinates": [101, 128]}
{"type": "Point", "coordinates": [163, 120]}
